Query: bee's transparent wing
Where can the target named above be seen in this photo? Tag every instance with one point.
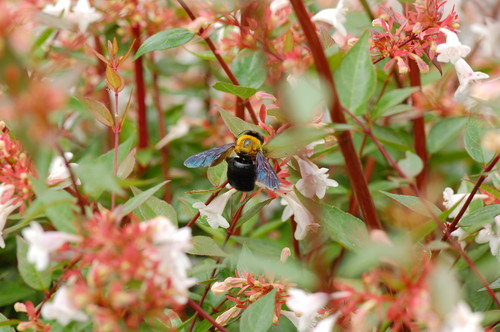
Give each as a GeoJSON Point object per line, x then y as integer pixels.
{"type": "Point", "coordinates": [266, 174]}
{"type": "Point", "coordinates": [209, 157]}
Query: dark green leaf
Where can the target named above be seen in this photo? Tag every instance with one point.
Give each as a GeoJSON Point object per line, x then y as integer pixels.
{"type": "Point", "coordinates": [289, 141]}
{"type": "Point", "coordinates": [258, 317]}
{"type": "Point", "coordinates": [416, 204]}
{"type": "Point", "coordinates": [154, 207]}
{"type": "Point", "coordinates": [11, 292]}
{"type": "Point", "coordinates": [480, 217]}
{"type": "Point", "coordinates": [249, 67]}
{"type": "Point", "coordinates": [164, 40]}
{"type": "Point", "coordinates": [205, 246]}
{"type": "Point", "coordinates": [343, 227]}
{"type": "Point", "coordinates": [240, 91]}
{"type": "Point", "coordinates": [444, 132]}
{"type": "Point", "coordinates": [391, 99]}
{"type": "Point", "coordinates": [39, 280]}
{"type": "Point", "coordinates": [236, 125]}
{"type": "Point", "coordinates": [217, 174]}
{"type": "Point", "coordinates": [472, 140]}
{"type": "Point", "coordinates": [356, 77]}
{"type": "Point", "coordinates": [138, 200]}
{"type": "Point", "coordinates": [252, 211]}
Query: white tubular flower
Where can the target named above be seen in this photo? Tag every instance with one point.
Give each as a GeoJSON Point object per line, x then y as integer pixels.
{"type": "Point", "coordinates": [462, 319]}
{"type": "Point", "coordinates": [327, 324]}
{"type": "Point", "coordinates": [83, 15]}
{"type": "Point", "coordinates": [172, 244]}
{"type": "Point", "coordinates": [453, 49]}
{"type": "Point", "coordinates": [466, 76]}
{"type": "Point", "coordinates": [61, 7]}
{"type": "Point", "coordinates": [277, 5]}
{"type": "Point", "coordinates": [488, 234]}
{"type": "Point", "coordinates": [450, 199]}
{"type": "Point", "coordinates": [460, 235]}
{"type": "Point", "coordinates": [59, 176]}
{"type": "Point", "coordinates": [305, 306]}
{"type": "Point", "coordinates": [314, 180]}
{"type": "Point", "coordinates": [213, 211]}
{"type": "Point", "coordinates": [303, 217]}
{"type": "Point", "coordinates": [333, 16]}
{"type": "Point", "coordinates": [7, 206]}
{"type": "Point", "coordinates": [489, 34]}
{"type": "Point", "coordinates": [62, 309]}
{"type": "Point", "coordinates": [42, 243]}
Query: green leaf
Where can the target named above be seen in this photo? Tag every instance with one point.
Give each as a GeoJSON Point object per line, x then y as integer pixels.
{"type": "Point", "coordinates": [304, 99]}
{"type": "Point", "coordinates": [205, 246]}
{"type": "Point", "coordinates": [355, 78]}
{"type": "Point", "coordinates": [416, 204]}
{"type": "Point", "coordinates": [127, 165]}
{"type": "Point", "coordinates": [289, 141]}
{"type": "Point", "coordinates": [99, 111]}
{"type": "Point", "coordinates": [5, 323]}
{"type": "Point", "coordinates": [258, 317]}
{"type": "Point", "coordinates": [411, 165]}
{"type": "Point", "coordinates": [252, 211]}
{"type": "Point", "coordinates": [39, 280]}
{"type": "Point", "coordinates": [11, 292]}
{"type": "Point", "coordinates": [217, 174]}
{"type": "Point", "coordinates": [164, 40]}
{"type": "Point", "coordinates": [391, 99]}
{"type": "Point", "coordinates": [96, 177]}
{"type": "Point", "coordinates": [443, 133]}
{"type": "Point", "coordinates": [154, 207]}
{"type": "Point", "coordinates": [480, 217]}
{"type": "Point", "coordinates": [240, 91]}
{"type": "Point", "coordinates": [343, 227]}
{"type": "Point", "coordinates": [249, 67]}
{"type": "Point", "coordinates": [141, 198]}
{"type": "Point", "coordinates": [236, 125]}
{"type": "Point", "coordinates": [472, 141]}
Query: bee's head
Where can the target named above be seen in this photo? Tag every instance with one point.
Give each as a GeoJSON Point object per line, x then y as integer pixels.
{"type": "Point", "coordinates": [254, 134]}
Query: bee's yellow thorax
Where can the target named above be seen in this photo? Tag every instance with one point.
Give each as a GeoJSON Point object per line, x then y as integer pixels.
{"type": "Point", "coordinates": [247, 146]}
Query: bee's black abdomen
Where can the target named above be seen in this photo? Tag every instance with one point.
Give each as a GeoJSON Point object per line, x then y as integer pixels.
{"type": "Point", "coordinates": [241, 173]}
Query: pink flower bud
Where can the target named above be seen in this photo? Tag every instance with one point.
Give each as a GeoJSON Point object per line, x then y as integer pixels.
{"type": "Point", "coordinates": [227, 315]}
{"type": "Point", "coordinates": [285, 253]}
{"type": "Point", "coordinates": [220, 288]}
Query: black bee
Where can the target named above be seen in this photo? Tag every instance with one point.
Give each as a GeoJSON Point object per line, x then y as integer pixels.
{"type": "Point", "coordinates": [249, 166]}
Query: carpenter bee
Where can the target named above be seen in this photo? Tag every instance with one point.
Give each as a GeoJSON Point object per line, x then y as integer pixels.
{"type": "Point", "coordinates": [249, 166]}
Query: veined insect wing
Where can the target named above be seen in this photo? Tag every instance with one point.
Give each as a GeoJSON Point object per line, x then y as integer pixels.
{"type": "Point", "coordinates": [209, 157]}
{"type": "Point", "coordinates": [265, 173]}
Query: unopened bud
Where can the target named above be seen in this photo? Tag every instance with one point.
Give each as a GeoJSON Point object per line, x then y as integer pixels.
{"type": "Point", "coordinates": [285, 253]}
{"type": "Point", "coordinates": [227, 315]}
{"type": "Point", "coordinates": [379, 236]}
{"type": "Point", "coordinates": [20, 307]}
{"type": "Point", "coordinates": [220, 288]}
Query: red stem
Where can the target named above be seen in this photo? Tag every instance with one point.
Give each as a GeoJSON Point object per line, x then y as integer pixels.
{"type": "Point", "coordinates": [79, 198]}
{"type": "Point", "coordinates": [354, 169]}
{"type": "Point", "coordinates": [205, 315]}
{"type": "Point", "coordinates": [419, 127]}
{"type": "Point", "coordinates": [116, 130]}
{"type": "Point", "coordinates": [469, 199]}
{"type": "Point", "coordinates": [221, 61]}
{"type": "Point", "coordinates": [140, 91]}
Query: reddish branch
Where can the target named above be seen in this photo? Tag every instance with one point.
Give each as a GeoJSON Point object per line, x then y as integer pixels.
{"type": "Point", "coordinates": [354, 169]}
{"type": "Point", "coordinates": [419, 127]}
{"type": "Point", "coordinates": [205, 315]}
{"type": "Point", "coordinates": [221, 61]}
{"type": "Point", "coordinates": [141, 91]}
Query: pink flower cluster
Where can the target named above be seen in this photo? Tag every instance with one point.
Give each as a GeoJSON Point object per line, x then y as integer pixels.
{"type": "Point", "coordinates": [251, 290]}
{"type": "Point", "coordinates": [412, 35]}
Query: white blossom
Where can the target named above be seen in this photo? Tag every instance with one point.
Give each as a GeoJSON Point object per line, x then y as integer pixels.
{"type": "Point", "coordinates": [172, 244]}
{"type": "Point", "coordinates": [453, 49]}
{"type": "Point", "coordinates": [277, 5]}
{"type": "Point", "coordinates": [213, 211]}
{"type": "Point", "coordinates": [489, 34]}
{"type": "Point", "coordinates": [460, 235]}
{"type": "Point", "coordinates": [491, 236]}
{"type": "Point", "coordinates": [62, 309]}
{"type": "Point", "coordinates": [61, 7]}
{"type": "Point", "coordinates": [462, 319]}
{"type": "Point", "coordinates": [83, 15]}
{"type": "Point", "coordinates": [303, 217]}
{"type": "Point", "coordinates": [42, 244]}
{"type": "Point", "coordinates": [333, 16]}
{"type": "Point", "coordinates": [305, 308]}
{"type": "Point", "coordinates": [450, 199]}
{"type": "Point", "coordinates": [59, 176]}
{"type": "Point", "coordinates": [466, 76]}
{"type": "Point", "coordinates": [7, 206]}
{"type": "Point", "coordinates": [314, 180]}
